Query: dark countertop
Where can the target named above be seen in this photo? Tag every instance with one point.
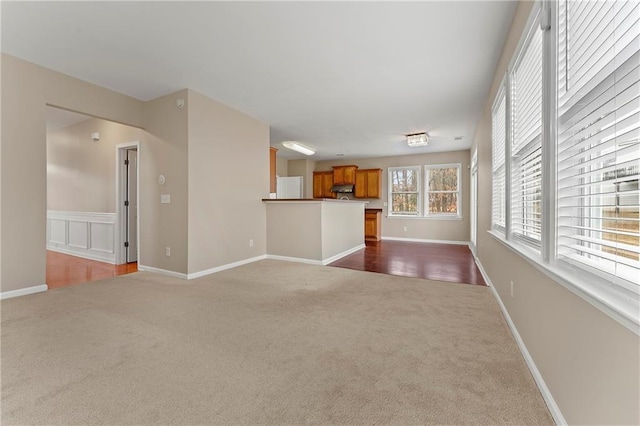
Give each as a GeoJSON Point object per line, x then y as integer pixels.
{"type": "Point", "coordinates": [373, 210]}
{"type": "Point", "coordinates": [335, 200]}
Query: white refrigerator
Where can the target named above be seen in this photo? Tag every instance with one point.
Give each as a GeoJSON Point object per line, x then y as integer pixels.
{"type": "Point", "coordinates": [289, 187]}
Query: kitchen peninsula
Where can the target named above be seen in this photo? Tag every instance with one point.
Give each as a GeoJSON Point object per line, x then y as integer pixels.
{"type": "Point", "coordinates": [317, 231]}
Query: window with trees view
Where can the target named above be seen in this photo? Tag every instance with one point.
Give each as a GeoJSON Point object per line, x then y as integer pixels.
{"type": "Point", "coordinates": [404, 191]}
{"type": "Point", "coordinates": [440, 196]}
{"type": "Point", "coordinates": [443, 189]}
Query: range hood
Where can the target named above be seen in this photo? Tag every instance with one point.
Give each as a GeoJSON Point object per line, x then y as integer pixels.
{"type": "Point", "coordinates": [342, 188]}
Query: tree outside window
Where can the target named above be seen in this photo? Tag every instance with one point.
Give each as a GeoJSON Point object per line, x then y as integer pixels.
{"type": "Point", "coordinates": [443, 189]}
{"type": "Point", "coordinates": [404, 189]}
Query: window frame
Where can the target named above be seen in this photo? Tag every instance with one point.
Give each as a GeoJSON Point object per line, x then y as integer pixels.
{"type": "Point", "coordinates": [503, 167]}
{"type": "Point", "coordinates": [458, 191]}
{"type": "Point", "coordinates": [524, 149]}
{"type": "Point", "coordinates": [390, 212]}
{"type": "Point", "coordinates": [615, 299]}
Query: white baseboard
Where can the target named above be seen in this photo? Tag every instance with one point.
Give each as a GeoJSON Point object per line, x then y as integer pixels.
{"type": "Point", "coordinates": [223, 267]}
{"type": "Point", "coordinates": [343, 254]}
{"type": "Point", "coordinates": [294, 259]}
{"type": "Point", "coordinates": [162, 271]}
{"type": "Point", "coordinates": [23, 291]}
{"type": "Point", "coordinates": [537, 376]}
{"type": "Point", "coordinates": [314, 261]}
{"type": "Point", "coordinates": [422, 240]}
{"type": "Point", "coordinates": [85, 254]}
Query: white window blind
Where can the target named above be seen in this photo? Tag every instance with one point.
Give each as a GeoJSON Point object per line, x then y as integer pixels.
{"type": "Point", "coordinates": [526, 141]}
{"type": "Point", "coordinates": [598, 151]}
{"type": "Point", "coordinates": [498, 142]}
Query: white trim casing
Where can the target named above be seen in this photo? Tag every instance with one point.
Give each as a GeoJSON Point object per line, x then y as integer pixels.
{"type": "Point", "coordinates": [162, 272]}
{"type": "Point", "coordinates": [343, 254]}
{"type": "Point", "coordinates": [294, 259]}
{"type": "Point", "coordinates": [423, 240]}
{"type": "Point", "coordinates": [537, 376]}
{"type": "Point", "coordinates": [322, 262]}
{"type": "Point", "coordinates": [224, 267]}
{"type": "Point", "coordinates": [120, 257]}
{"type": "Point", "coordinates": [23, 291]}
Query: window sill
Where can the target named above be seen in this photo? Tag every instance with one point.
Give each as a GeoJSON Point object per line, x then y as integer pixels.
{"type": "Point", "coordinates": [425, 217]}
{"type": "Point", "coordinates": [622, 306]}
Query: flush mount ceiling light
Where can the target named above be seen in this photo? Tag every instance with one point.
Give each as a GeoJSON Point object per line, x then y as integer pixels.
{"type": "Point", "coordinates": [297, 147]}
{"type": "Point", "coordinates": [417, 139]}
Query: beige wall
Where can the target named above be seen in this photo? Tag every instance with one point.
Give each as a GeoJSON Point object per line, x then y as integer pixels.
{"type": "Point", "coordinates": [305, 169]}
{"type": "Point", "coordinates": [589, 361]}
{"type": "Point", "coordinates": [293, 230]}
{"type": "Point", "coordinates": [282, 167]}
{"type": "Point", "coordinates": [81, 172]}
{"type": "Point", "coordinates": [228, 177]}
{"type": "Point", "coordinates": [314, 230]}
{"type": "Point", "coordinates": [428, 229]}
{"type": "Point", "coordinates": [164, 148]}
{"type": "Point", "coordinates": [27, 88]}
{"type": "Point", "coordinates": [342, 227]}
{"type": "Point", "coordinates": [164, 152]}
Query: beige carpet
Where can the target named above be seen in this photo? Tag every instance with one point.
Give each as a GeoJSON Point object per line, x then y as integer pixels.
{"type": "Point", "coordinates": [270, 342]}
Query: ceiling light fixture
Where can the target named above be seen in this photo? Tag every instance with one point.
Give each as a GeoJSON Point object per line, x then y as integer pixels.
{"type": "Point", "coordinates": [297, 147]}
{"type": "Point", "coordinates": [417, 139]}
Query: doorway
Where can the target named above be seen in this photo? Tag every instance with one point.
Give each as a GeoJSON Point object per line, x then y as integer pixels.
{"type": "Point", "coordinates": [127, 212]}
{"type": "Point", "coordinates": [82, 186]}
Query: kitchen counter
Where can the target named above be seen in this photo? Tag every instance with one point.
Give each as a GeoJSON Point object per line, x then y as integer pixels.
{"type": "Point", "coordinates": [330, 200]}
{"type": "Point", "coordinates": [317, 231]}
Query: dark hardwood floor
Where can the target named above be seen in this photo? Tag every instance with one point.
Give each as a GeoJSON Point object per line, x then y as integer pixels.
{"type": "Point", "coordinates": [64, 270]}
{"type": "Point", "coordinates": [442, 262]}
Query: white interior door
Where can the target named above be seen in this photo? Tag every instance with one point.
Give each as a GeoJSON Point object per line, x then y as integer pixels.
{"type": "Point", "coordinates": [131, 208]}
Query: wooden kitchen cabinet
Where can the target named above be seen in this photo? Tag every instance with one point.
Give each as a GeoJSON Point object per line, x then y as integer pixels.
{"type": "Point", "coordinates": [368, 183]}
{"type": "Point", "coordinates": [344, 175]}
{"type": "Point", "coordinates": [372, 224]}
{"type": "Point", "coordinates": [322, 183]}
{"type": "Point", "coordinates": [272, 169]}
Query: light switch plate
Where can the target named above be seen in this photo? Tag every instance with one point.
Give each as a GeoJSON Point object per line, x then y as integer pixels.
{"type": "Point", "coordinates": [165, 199]}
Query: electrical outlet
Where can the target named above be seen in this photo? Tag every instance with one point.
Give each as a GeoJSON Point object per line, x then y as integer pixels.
{"type": "Point", "coordinates": [511, 288]}
{"type": "Point", "coordinates": [250, 243]}
{"type": "Point", "coordinates": [405, 229]}
{"type": "Point", "coordinates": [167, 251]}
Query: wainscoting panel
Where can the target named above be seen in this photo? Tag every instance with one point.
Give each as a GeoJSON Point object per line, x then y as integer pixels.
{"type": "Point", "coordinates": [78, 234]}
{"type": "Point", "coordinates": [102, 236]}
{"type": "Point", "coordinates": [57, 231]}
{"type": "Point", "coordinates": [88, 235]}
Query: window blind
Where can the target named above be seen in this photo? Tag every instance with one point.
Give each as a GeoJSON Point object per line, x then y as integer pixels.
{"type": "Point", "coordinates": [598, 146]}
{"type": "Point", "coordinates": [526, 151]}
{"type": "Point", "coordinates": [499, 137]}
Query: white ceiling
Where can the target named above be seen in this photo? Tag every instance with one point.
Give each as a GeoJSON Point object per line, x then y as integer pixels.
{"type": "Point", "coordinates": [341, 77]}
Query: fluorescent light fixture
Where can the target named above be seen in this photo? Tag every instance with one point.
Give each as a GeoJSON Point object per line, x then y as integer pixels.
{"type": "Point", "coordinates": [417, 139]}
{"type": "Point", "coordinates": [297, 147]}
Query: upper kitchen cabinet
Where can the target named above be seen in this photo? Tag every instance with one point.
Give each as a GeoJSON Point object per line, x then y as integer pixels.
{"type": "Point", "coordinates": [368, 183]}
{"type": "Point", "coordinates": [322, 184]}
{"type": "Point", "coordinates": [344, 175]}
{"type": "Point", "coordinates": [272, 169]}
